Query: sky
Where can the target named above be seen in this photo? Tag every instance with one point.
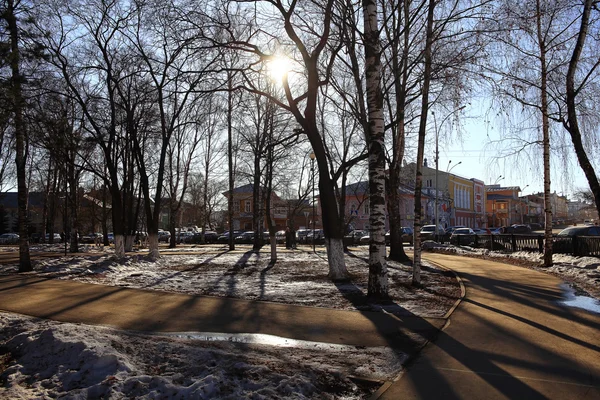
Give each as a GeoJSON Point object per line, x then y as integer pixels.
{"type": "Point", "coordinates": [476, 152]}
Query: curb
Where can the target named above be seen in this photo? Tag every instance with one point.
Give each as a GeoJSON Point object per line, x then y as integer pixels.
{"type": "Point", "coordinates": [463, 293]}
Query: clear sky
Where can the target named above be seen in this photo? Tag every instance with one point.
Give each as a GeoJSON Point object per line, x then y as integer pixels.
{"type": "Point", "coordinates": [480, 152]}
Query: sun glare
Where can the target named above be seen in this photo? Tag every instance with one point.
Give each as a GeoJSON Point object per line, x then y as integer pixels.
{"type": "Point", "coordinates": [278, 67]}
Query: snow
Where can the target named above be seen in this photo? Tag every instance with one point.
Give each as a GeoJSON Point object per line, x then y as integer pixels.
{"type": "Point", "coordinates": [48, 359]}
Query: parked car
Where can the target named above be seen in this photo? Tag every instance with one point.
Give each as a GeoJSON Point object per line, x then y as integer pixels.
{"type": "Point", "coordinates": [111, 237]}
{"type": "Point", "coordinates": [535, 226]}
{"type": "Point", "coordinates": [245, 238]}
{"type": "Point", "coordinates": [407, 235]}
{"type": "Point", "coordinates": [301, 235]}
{"type": "Point", "coordinates": [428, 232]}
{"type": "Point", "coordinates": [318, 235]}
{"type": "Point", "coordinates": [354, 236]}
{"type": "Point", "coordinates": [519, 229]}
{"type": "Point", "coordinates": [451, 229]}
{"type": "Point", "coordinates": [209, 237]}
{"type": "Point", "coordinates": [565, 242]}
{"type": "Point", "coordinates": [482, 231]}
{"type": "Point", "coordinates": [56, 238]}
{"type": "Point", "coordinates": [89, 238]}
{"type": "Point", "coordinates": [224, 237]}
{"type": "Point", "coordinates": [580, 231]}
{"type": "Point", "coordinates": [280, 237]}
{"type": "Point", "coordinates": [164, 236]}
{"type": "Point", "coordinates": [463, 236]}
{"type": "Point", "coordinates": [184, 236]}
{"type": "Point", "coordinates": [9, 238]}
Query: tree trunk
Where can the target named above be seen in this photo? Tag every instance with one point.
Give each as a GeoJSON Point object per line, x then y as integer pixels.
{"type": "Point", "coordinates": [230, 160]}
{"type": "Point", "coordinates": [20, 135]}
{"type": "Point", "coordinates": [335, 258]}
{"type": "Point", "coordinates": [546, 140]}
{"type": "Point", "coordinates": [572, 123]}
{"type": "Point", "coordinates": [400, 65]}
{"type": "Point", "coordinates": [416, 278]}
{"type": "Point", "coordinates": [378, 275]}
{"type": "Point", "coordinates": [153, 246]}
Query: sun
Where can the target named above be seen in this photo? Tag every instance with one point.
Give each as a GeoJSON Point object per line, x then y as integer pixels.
{"type": "Point", "coordinates": [278, 67]}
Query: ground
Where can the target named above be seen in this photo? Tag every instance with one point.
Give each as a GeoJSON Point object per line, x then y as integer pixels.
{"type": "Point", "coordinates": [42, 359]}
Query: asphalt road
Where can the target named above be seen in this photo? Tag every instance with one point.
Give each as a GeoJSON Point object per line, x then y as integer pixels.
{"type": "Point", "coordinates": [510, 338]}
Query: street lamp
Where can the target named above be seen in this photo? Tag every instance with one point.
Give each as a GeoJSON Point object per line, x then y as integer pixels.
{"type": "Point", "coordinates": [498, 179]}
{"type": "Point", "coordinates": [454, 166]}
{"type": "Point", "coordinates": [312, 171]}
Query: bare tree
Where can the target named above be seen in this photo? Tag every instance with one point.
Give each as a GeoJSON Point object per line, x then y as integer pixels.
{"type": "Point", "coordinates": [574, 89]}
{"type": "Point", "coordinates": [17, 104]}
{"type": "Point", "coordinates": [303, 105]}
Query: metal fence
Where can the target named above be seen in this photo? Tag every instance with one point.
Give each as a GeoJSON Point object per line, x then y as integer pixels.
{"type": "Point", "coordinates": [574, 245]}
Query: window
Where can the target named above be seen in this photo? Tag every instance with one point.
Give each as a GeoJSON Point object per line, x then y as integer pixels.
{"type": "Point", "coordinates": [236, 206]}
{"type": "Point", "coordinates": [366, 209]}
{"type": "Point", "coordinates": [247, 206]}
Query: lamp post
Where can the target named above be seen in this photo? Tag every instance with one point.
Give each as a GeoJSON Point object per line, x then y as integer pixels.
{"type": "Point", "coordinates": [454, 166]}
{"type": "Point", "coordinates": [498, 179]}
{"type": "Point", "coordinates": [312, 171]}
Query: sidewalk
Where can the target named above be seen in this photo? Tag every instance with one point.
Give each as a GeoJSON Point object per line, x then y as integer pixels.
{"type": "Point", "coordinates": [153, 311]}
{"type": "Point", "coordinates": [509, 339]}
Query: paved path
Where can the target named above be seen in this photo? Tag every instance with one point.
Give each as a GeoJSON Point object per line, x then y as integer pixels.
{"type": "Point", "coordinates": [154, 311]}
{"type": "Point", "coordinates": [508, 339]}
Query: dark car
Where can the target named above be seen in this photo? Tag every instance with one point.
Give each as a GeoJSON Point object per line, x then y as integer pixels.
{"type": "Point", "coordinates": [164, 236]}
{"type": "Point", "coordinates": [224, 237]}
{"type": "Point", "coordinates": [517, 228]}
{"type": "Point", "coordinates": [245, 238]}
{"type": "Point", "coordinates": [580, 231]}
{"type": "Point", "coordinates": [565, 241]}
{"type": "Point", "coordinates": [428, 232]}
{"type": "Point", "coordinates": [209, 237]}
{"type": "Point", "coordinates": [9, 238]}
{"type": "Point", "coordinates": [463, 237]}
{"type": "Point", "coordinates": [353, 237]}
{"type": "Point", "coordinates": [536, 227]}
{"type": "Point", "coordinates": [451, 229]}
{"type": "Point", "coordinates": [301, 235]}
{"type": "Point", "coordinates": [407, 235]}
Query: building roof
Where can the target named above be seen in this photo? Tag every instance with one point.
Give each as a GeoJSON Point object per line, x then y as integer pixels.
{"type": "Point", "coordinates": [497, 188]}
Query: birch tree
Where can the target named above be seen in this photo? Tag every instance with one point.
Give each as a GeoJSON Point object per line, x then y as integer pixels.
{"type": "Point", "coordinates": [378, 283]}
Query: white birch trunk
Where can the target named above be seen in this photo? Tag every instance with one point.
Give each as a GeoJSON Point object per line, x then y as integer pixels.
{"type": "Point", "coordinates": [335, 257]}
{"type": "Point", "coordinates": [119, 246]}
{"type": "Point", "coordinates": [378, 282]}
{"type": "Point", "coordinates": [153, 246]}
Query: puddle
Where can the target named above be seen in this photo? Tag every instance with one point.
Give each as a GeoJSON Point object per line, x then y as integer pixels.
{"type": "Point", "coordinates": [259, 338]}
{"type": "Point", "coordinates": [583, 302]}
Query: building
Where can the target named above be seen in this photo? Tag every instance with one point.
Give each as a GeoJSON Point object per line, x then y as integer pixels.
{"type": "Point", "coordinates": [463, 198]}
{"type": "Point", "coordinates": [504, 207]}
{"type": "Point", "coordinates": [357, 206]}
{"type": "Point", "coordinates": [284, 212]}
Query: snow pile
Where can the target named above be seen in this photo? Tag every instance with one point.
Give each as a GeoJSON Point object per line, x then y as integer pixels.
{"type": "Point", "coordinates": [45, 359]}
